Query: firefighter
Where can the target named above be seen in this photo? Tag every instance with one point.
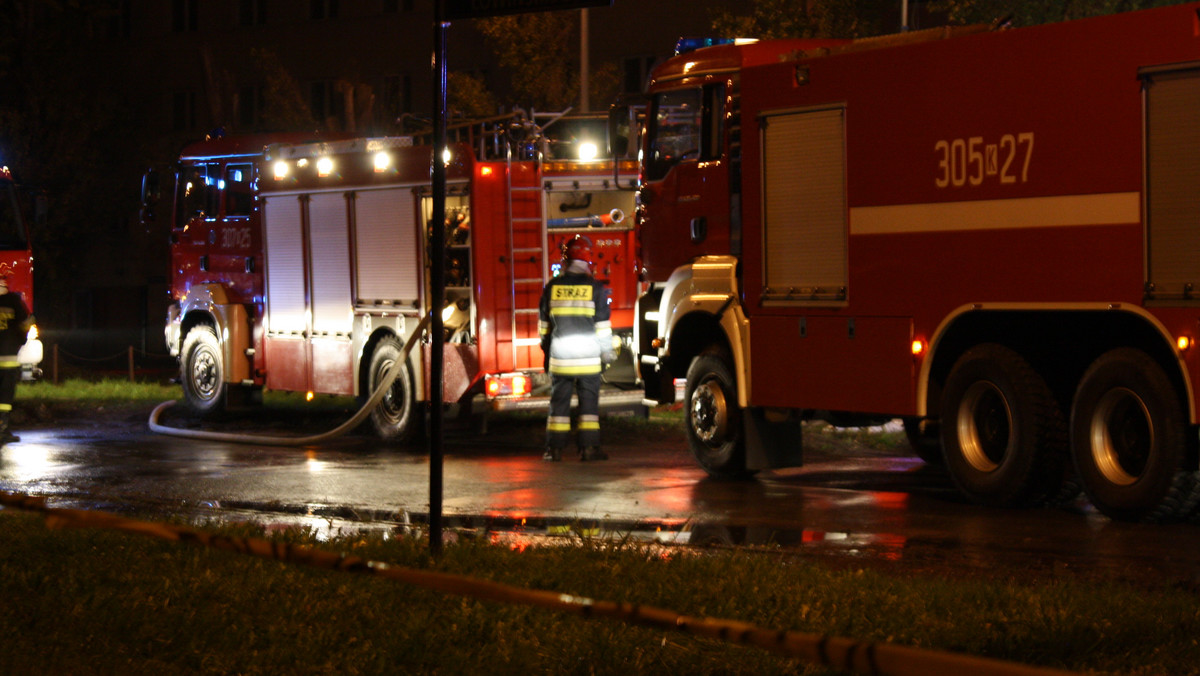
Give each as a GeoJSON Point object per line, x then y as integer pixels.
{"type": "Point", "coordinates": [14, 327]}
{"type": "Point", "coordinates": [577, 341]}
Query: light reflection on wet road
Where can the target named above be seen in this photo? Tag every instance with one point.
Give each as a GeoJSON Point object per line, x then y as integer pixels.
{"type": "Point", "coordinates": [868, 505]}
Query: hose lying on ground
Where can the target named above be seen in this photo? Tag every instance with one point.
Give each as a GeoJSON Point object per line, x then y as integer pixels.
{"type": "Point", "coordinates": [377, 396]}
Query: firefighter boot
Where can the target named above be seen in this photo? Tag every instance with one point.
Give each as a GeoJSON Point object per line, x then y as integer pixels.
{"type": "Point", "coordinates": [590, 453]}
{"type": "Point", "coordinates": [552, 455]}
{"type": "Point", "coordinates": [6, 435]}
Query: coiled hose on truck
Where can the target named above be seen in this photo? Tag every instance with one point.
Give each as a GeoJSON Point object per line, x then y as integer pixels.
{"type": "Point", "coordinates": [376, 397]}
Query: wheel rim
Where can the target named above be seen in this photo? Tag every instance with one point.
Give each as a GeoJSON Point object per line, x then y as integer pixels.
{"type": "Point", "coordinates": [710, 413]}
{"type": "Point", "coordinates": [984, 426]}
{"type": "Point", "coordinates": [392, 405]}
{"type": "Point", "coordinates": [1122, 435]}
{"type": "Point", "coordinates": [204, 373]}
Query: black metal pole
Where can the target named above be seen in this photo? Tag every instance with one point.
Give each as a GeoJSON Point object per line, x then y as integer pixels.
{"type": "Point", "coordinates": [437, 273]}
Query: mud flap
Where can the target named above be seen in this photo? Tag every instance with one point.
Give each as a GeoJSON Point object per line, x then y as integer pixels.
{"type": "Point", "coordinates": [771, 443]}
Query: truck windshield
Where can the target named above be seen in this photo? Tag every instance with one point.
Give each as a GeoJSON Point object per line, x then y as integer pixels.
{"type": "Point", "coordinates": [674, 132]}
{"type": "Point", "coordinates": [199, 193]}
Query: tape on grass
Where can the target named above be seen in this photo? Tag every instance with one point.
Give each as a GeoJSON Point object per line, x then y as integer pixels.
{"type": "Point", "coordinates": [845, 654]}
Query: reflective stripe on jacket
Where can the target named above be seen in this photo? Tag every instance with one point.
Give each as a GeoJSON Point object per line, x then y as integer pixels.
{"type": "Point", "coordinates": [573, 322]}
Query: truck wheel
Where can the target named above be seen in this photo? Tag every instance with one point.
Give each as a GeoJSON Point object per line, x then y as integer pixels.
{"type": "Point", "coordinates": [1003, 434]}
{"type": "Point", "coordinates": [713, 417]}
{"type": "Point", "coordinates": [202, 371]}
{"type": "Point", "coordinates": [925, 440]}
{"type": "Point", "coordinates": [396, 415]}
{"type": "Point", "coordinates": [1129, 439]}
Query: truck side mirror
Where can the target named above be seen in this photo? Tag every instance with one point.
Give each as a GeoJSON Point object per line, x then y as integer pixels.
{"type": "Point", "coordinates": [150, 192]}
{"type": "Point", "coordinates": [618, 132]}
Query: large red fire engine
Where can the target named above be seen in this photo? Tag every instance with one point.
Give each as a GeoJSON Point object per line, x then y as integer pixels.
{"type": "Point", "coordinates": [991, 234]}
{"type": "Point", "coordinates": [16, 258]}
{"type": "Point", "coordinates": [303, 266]}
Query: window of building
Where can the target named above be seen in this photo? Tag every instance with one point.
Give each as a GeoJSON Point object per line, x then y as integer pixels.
{"type": "Point", "coordinates": [395, 96]}
{"type": "Point", "coordinates": [252, 13]}
{"type": "Point", "coordinates": [183, 111]}
{"type": "Point", "coordinates": [326, 102]}
{"type": "Point", "coordinates": [323, 9]}
{"type": "Point", "coordinates": [249, 107]}
{"type": "Point", "coordinates": [185, 15]}
{"type": "Point", "coordinates": [120, 21]}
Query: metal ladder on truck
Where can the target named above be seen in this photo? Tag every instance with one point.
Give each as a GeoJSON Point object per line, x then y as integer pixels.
{"type": "Point", "coordinates": [527, 265]}
{"type": "Point", "coordinates": [528, 259]}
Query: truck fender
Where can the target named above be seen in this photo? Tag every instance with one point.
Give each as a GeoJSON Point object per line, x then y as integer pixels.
{"type": "Point", "coordinates": [709, 285]}
{"type": "Point", "coordinates": [230, 320]}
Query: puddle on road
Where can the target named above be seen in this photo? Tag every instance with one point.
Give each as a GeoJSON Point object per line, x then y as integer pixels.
{"type": "Point", "coordinates": [328, 523]}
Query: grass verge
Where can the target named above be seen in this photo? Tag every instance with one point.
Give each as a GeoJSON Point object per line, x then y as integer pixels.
{"type": "Point", "coordinates": [92, 602]}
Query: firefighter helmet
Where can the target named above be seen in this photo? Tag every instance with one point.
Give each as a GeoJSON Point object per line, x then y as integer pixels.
{"type": "Point", "coordinates": [579, 248]}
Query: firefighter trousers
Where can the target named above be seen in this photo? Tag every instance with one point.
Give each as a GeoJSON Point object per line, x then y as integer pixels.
{"type": "Point", "coordinates": [558, 423]}
{"type": "Point", "coordinates": [10, 375]}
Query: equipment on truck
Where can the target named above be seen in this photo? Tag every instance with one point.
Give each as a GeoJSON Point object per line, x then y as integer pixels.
{"type": "Point", "coordinates": [990, 234]}
{"type": "Point", "coordinates": [302, 264]}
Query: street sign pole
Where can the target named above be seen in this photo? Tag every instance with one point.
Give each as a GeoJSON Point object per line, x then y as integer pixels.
{"type": "Point", "coordinates": [437, 247]}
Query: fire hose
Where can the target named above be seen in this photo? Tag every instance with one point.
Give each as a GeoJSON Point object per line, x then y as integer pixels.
{"type": "Point", "coordinates": [377, 396]}
{"type": "Point", "coordinates": [614, 216]}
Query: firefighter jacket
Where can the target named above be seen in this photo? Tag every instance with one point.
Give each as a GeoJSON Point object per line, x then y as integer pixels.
{"type": "Point", "coordinates": [14, 325]}
{"type": "Point", "coordinates": [573, 322]}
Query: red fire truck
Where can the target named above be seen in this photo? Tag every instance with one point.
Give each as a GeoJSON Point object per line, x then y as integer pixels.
{"type": "Point", "coordinates": [16, 258]}
{"type": "Point", "coordinates": [991, 234]}
{"type": "Point", "coordinates": [303, 266]}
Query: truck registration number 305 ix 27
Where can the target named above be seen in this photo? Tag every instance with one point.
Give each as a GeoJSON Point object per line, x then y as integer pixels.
{"type": "Point", "coordinates": [235, 238]}
{"type": "Point", "coordinates": [971, 161]}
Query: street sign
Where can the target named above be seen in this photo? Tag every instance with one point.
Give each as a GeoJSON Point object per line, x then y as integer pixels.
{"type": "Point", "coordinates": [475, 9]}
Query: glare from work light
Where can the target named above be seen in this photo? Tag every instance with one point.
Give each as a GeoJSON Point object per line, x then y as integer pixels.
{"type": "Point", "coordinates": [588, 151]}
{"type": "Point", "coordinates": [382, 161]}
{"type": "Point", "coordinates": [324, 166]}
{"type": "Point", "coordinates": [446, 156]}
{"type": "Point", "coordinates": [1183, 342]}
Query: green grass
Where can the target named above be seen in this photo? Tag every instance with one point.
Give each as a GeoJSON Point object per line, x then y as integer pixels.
{"type": "Point", "coordinates": [101, 391]}
{"type": "Point", "coordinates": [94, 602]}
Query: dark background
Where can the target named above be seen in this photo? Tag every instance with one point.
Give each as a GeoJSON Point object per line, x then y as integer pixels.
{"type": "Point", "coordinates": [93, 92]}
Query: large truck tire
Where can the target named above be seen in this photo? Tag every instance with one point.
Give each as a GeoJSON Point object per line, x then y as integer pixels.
{"type": "Point", "coordinates": [925, 439]}
{"type": "Point", "coordinates": [397, 416]}
{"type": "Point", "coordinates": [1003, 433]}
{"type": "Point", "coordinates": [202, 370]}
{"type": "Point", "coordinates": [1130, 440]}
{"type": "Point", "coordinates": [713, 417]}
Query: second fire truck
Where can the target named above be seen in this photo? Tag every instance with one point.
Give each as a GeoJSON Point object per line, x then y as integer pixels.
{"type": "Point", "coordinates": [17, 206]}
{"type": "Point", "coordinates": [992, 234]}
{"type": "Point", "coordinates": [303, 266]}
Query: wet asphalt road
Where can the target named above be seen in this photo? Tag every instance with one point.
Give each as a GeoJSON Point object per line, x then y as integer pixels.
{"type": "Point", "coordinates": [859, 504]}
